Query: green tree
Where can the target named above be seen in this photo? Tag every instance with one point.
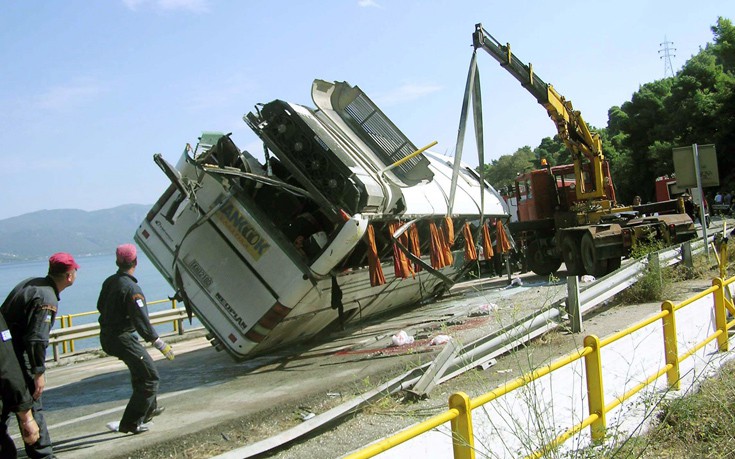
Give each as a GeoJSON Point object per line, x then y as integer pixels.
{"type": "Point", "coordinates": [724, 44]}
{"type": "Point", "coordinates": [552, 150]}
{"type": "Point", "coordinates": [697, 105]}
{"type": "Point", "coordinates": [502, 172]}
{"type": "Point", "coordinates": [724, 52]}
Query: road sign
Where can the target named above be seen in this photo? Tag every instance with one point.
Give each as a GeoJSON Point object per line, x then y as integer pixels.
{"type": "Point", "coordinates": [685, 168]}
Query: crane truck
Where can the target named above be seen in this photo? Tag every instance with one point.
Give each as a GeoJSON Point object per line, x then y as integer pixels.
{"type": "Point", "coordinates": [569, 213]}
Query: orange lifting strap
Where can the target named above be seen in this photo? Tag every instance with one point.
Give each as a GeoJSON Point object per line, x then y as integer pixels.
{"type": "Point", "coordinates": [470, 253]}
{"type": "Point", "coordinates": [437, 247]}
{"type": "Point", "coordinates": [415, 247]}
{"type": "Point", "coordinates": [502, 244]}
{"type": "Point", "coordinates": [487, 243]}
{"type": "Point", "coordinates": [449, 225]}
{"type": "Point", "coordinates": [376, 271]}
{"type": "Point", "coordinates": [447, 233]}
{"type": "Point", "coordinates": [401, 266]}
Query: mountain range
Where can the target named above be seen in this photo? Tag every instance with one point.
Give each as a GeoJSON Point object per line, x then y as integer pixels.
{"type": "Point", "coordinates": [39, 234]}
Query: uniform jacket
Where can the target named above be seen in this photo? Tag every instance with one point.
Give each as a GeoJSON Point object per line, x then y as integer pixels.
{"type": "Point", "coordinates": [123, 308]}
{"type": "Point", "coordinates": [30, 312]}
{"type": "Point", "coordinates": [13, 389]}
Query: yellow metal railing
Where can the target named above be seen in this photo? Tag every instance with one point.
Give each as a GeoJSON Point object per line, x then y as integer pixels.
{"type": "Point", "coordinates": [67, 333]}
{"type": "Point", "coordinates": [461, 406]}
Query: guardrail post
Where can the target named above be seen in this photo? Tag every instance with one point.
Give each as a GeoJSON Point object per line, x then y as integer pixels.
{"type": "Point", "coordinates": [573, 307]}
{"type": "Point", "coordinates": [69, 324]}
{"type": "Point", "coordinates": [595, 389]}
{"type": "Point", "coordinates": [720, 314]}
{"type": "Point", "coordinates": [176, 322]}
{"type": "Point", "coordinates": [463, 440]}
{"type": "Point", "coordinates": [65, 344]}
{"type": "Point", "coordinates": [686, 257]}
{"type": "Point", "coordinates": [671, 348]}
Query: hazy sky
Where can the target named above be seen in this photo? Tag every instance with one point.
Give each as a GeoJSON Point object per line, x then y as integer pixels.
{"type": "Point", "coordinates": [91, 90]}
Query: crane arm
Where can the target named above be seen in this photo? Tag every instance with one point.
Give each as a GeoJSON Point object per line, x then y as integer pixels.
{"type": "Point", "coordinates": [572, 129]}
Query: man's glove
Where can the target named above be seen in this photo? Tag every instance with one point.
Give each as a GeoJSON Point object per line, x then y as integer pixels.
{"type": "Point", "coordinates": [165, 349]}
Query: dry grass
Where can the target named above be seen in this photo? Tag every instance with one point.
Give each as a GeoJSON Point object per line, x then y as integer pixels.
{"type": "Point", "coordinates": [700, 425]}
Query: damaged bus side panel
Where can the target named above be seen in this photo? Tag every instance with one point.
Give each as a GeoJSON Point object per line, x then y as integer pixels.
{"type": "Point", "coordinates": [341, 223]}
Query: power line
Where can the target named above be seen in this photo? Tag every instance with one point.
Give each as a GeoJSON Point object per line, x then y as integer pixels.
{"type": "Point", "coordinates": [666, 54]}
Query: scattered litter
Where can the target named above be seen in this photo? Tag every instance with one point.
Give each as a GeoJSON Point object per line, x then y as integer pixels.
{"type": "Point", "coordinates": [333, 394]}
{"type": "Point", "coordinates": [440, 339]}
{"type": "Point", "coordinates": [402, 338]}
{"type": "Point", "coordinates": [485, 365]}
{"type": "Point", "coordinates": [509, 370]}
{"type": "Point", "coordinates": [225, 437]}
{"type": "Point", "coordinates": [305, 413]}
{"type": "Point", "coordinates": [483, 310]}
{"type": "Point", "coordinates": [516, 282]}
{"type": "Point", "coordinates": [587, 278]}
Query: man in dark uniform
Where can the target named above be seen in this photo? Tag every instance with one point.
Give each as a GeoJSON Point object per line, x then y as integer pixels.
{"type": "Point", "coordinates": [30, 311]}
{"type": "Point", "coordinates": [123, 311]}
{"type": "Point", "coordinates": [14, 395]}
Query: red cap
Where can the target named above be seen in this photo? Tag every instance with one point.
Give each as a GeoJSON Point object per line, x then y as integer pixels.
{"type": "Point", "coordinates": [126, 253]}
{"type": "Point", "coordinates": [61, 262]}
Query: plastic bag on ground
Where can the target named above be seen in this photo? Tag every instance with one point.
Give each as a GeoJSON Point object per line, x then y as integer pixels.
{"type": "Point", "coordinates": [587, 278]}
{"type": "Point", "coordinates": [440, 339]}
{"type": "Point", "coordinates": [402, 338]}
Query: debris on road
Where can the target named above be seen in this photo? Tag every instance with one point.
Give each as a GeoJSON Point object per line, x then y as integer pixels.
{"type": "Point", "coordinates": [401, 339]}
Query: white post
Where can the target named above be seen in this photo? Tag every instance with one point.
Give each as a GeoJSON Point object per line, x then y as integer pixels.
{"type": "Point", "coordinates": [702, 214]}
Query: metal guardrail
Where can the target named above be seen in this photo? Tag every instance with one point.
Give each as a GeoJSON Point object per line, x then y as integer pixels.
{"type": "Point", "coordinates": [610, 285]}
{"type": "Point", "coordinates": [461, 406]}
{"type": "Point", "coordinates": [65, 336]}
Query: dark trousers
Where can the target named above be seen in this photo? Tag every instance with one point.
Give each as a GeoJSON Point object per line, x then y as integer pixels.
{"type": "Point", "coordinates": [143, 375]}
{"type": "Point", "coordinates": [42, 448]}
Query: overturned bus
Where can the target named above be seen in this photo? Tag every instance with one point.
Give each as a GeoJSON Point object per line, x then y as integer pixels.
{"type": "Point", "coordinates": [345, 219]}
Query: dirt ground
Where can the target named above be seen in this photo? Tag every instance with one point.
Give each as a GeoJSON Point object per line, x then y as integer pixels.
{"type": "Point", "coordinates": [394, 413]}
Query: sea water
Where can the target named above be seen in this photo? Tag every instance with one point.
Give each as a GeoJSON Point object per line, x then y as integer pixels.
{"type": "Point", "coordinates": [82, 296]}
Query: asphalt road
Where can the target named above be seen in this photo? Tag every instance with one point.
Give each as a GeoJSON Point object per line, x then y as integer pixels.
{"type": "Point", "coordinates": [202, 388]}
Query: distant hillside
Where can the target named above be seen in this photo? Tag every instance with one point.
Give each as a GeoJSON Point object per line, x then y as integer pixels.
{"type": "Point", "coordinates": [37, 235]}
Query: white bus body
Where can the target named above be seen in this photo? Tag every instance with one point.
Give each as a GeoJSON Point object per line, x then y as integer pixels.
{"type": "Point", "coordinates": [271, 254]}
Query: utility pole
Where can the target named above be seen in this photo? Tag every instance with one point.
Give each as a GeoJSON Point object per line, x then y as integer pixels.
{"type": "Point", "coordinates": [666, 53]}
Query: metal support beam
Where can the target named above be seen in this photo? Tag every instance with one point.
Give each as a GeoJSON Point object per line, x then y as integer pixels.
{"type": "Point", "coordinates": [436, 370]}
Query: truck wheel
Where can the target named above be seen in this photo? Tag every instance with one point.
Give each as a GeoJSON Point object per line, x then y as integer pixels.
{"type": "Point", "coordinates": [613, 264]}
{"type": "Point", "coordinates": [539, 262]}
{"type": "Point", "coordinates": [572, 257]}
{"type": "Point", "coordinates": [592, 263]}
